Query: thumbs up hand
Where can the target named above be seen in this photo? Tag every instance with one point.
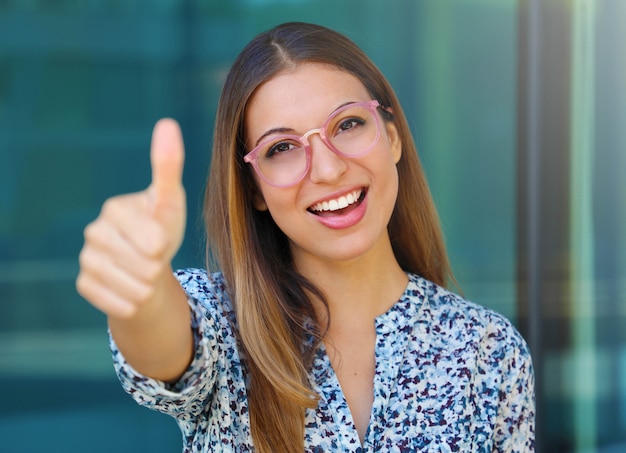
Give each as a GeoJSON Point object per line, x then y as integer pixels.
{"type": "Point", "coordinates": [166, 192]}
{"type": "Point", "coordinates": [128, 249]}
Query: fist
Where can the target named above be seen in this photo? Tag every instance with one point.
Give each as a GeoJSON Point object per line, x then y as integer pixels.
{"type": "Point", "coordinates": [128, 249]}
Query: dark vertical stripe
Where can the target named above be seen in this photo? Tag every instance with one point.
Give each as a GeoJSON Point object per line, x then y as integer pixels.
{"type": "Point", "coordinates": [544, 53]}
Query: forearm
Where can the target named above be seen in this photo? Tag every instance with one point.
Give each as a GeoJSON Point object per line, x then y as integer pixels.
{"type": "Point", "coordinates": [158, 341]}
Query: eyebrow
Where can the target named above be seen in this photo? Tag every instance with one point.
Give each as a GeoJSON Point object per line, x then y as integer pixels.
{"type": "Point", "coordinates": [276, 130]}
{"type": "Point", "coordinates": [286, 130]}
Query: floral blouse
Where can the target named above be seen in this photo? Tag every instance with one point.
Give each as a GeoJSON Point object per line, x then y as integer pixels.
{"type": "Point", "coordinates": [450, 376]}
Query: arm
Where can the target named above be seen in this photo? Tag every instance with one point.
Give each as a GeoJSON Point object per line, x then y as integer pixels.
{"type": "Point", "coordinates": [125, 265]}
{"type": "Point", "coordinates": [157, 341]}
{"type": "Point", "coordinates": [515, 425]}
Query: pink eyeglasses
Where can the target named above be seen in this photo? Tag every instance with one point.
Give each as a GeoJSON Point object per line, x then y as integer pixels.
{"type": "Point", "coordinates": [350, 131]}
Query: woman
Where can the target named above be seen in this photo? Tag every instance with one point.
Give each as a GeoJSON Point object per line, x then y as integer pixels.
{"type": "Point", "coordinates": [328, 328]}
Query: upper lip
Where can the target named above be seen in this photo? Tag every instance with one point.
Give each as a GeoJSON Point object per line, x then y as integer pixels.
{"type": "Point", "coordinates": [342, 198]}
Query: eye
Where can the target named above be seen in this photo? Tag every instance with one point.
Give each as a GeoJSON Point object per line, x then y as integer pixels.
{"type": "Point", "coordinates": [280, 148]}
{"type": "Point", "coordinates": [349, 124]}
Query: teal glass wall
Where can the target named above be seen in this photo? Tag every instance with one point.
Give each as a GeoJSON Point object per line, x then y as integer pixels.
{"type": "Point", "coordinates": [83, 81]}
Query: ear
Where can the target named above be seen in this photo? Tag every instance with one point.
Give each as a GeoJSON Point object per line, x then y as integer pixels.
{"type": "Point", "coordinates": [394, 140]}
{"type": "Point", "coordinates": [258, 201]}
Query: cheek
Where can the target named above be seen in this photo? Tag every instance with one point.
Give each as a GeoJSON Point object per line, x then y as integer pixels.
{"type": "Point", "coordinates": [287, 214]}
{"type": "Point", "coordinates": [389, 177]}
{"type": "Point", "coordinates": [278, 202]}
{"type": "Point", "coordinates": [284, 220]}
{"type": "Point", "coordinates": [386, 166]}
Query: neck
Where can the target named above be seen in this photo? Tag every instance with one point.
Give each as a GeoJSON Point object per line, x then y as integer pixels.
{"type": "Point", "coordinates": [356, 290]}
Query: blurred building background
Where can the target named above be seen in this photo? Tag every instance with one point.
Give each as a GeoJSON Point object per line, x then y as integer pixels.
{"type": "Point", "coordinates": [518, 108]}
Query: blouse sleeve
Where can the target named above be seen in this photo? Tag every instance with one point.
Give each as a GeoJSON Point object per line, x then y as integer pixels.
{"type": "Point", "coordinates": [515, 423]}
{"type": "Point", "coordinates": [188, 394]}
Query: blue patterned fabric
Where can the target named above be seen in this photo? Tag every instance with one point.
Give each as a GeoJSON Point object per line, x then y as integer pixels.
{"type": "Point", "coordinates": [450, 376]}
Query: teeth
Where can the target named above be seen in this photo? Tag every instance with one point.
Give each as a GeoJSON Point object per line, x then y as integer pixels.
{"type": "Point", "coordinates": [339, 203]}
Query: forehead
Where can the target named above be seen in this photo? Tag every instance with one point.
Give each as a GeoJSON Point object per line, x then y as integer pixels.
{"type": "Point", "coordinates": [301, 97]}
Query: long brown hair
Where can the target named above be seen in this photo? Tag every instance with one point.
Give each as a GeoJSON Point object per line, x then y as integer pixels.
{"type": "Point", "coordinates": [272, 308]}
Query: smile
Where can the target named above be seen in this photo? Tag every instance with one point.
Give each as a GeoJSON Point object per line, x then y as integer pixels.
{"type": "Point", "coordinates": [339, 203]}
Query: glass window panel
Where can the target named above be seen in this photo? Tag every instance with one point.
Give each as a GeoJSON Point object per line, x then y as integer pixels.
{"type": "Point", "coordinates": [82, 83]}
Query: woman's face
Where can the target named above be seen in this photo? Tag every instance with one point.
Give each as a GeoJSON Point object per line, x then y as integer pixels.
{"type": "Point", "coordinates": [294, 102]}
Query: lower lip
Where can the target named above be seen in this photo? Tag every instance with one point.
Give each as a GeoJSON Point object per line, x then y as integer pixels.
{"type": "Point", "coordinates": [341, 221]}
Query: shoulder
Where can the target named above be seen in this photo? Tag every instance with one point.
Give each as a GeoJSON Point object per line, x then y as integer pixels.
{"type": "Point", "coordinates": [208, 290]}
{"type": "Point", "coordinates": [454, 318]}
{"type": "Point", "coordinates": [199, 281]}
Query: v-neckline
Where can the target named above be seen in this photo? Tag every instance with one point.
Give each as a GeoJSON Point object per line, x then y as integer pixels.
{"type": "Point", "coordinates": [392, 331]}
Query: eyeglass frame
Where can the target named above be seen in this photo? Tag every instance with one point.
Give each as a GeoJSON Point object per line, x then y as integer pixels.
{"type": "Point", "coordinates": [252, 156]}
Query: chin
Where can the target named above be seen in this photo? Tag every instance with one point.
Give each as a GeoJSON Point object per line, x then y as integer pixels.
{"type": "Point", "coordinates": [343, 250]}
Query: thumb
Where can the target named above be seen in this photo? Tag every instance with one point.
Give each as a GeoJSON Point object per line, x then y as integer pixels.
{"type": "Point", "coordinates": [167, 156]}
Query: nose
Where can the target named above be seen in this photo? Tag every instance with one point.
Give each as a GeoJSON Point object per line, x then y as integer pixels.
{"type": "Point", "coordinates": [326, 165]}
